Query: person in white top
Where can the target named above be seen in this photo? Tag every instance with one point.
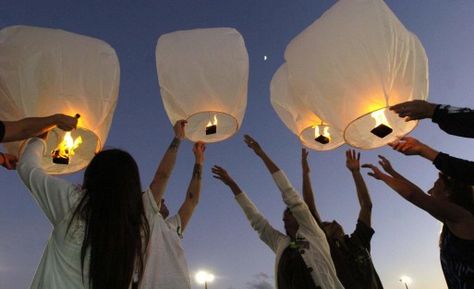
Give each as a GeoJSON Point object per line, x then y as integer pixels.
{"type": "Point", "coordinates": [29, 127]}
{"type": "Point", "coordinates": [303, 258]}
{"type": "Point", "coordinates": [100, 229]}
{"type": "Point", "coordinates": [166, 266]}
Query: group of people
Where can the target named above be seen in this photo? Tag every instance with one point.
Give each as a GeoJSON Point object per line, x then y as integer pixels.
{"type": "Point", "coordinates": [109, 233]}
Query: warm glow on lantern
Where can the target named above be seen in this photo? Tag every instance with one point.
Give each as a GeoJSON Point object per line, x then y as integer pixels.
{"type": "Point", "coordinates": [321, 134]}
{"type": "Point", "coordinates": [211, 127]}
{"type": "Point", "coordinates": [382, 127]}
{"type": "Point", "coordinates": [66, 148]}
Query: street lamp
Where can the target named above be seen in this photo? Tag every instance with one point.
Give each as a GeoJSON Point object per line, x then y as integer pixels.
{"type": "Point", "coordinates": [203, 277]}
{"type": "Point", "coordinates": [405, 280]}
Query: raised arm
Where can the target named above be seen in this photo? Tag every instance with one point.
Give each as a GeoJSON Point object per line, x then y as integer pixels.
{"type": "Point", "coordinates": [259, 223]}
{"type": "Point", "coordinates": [34, 126]}
{"type": "Point", "coordinates": [162, 174]}
{"type": "Point", "coordinates": [308, 195]}
{"type": "Point", "coordinates": [194, 188]}
{"type": "Point", "coordinates": [460, 169]}
{"type": "Point", "coordinates": [8, 161]}
{"type": "Point", "coordinates": [441, 210]}
{"type": "Point", "coordinates": [253, 144]}
{"type": "Point", "coordinates": [353, 164]}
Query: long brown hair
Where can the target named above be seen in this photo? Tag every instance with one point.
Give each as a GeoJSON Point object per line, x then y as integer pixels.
{"type": "Point", "coordinates": [116, 229]}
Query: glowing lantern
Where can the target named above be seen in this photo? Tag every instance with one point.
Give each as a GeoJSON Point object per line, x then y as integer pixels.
{"type": "Point", "coordinates": [310, 129]}
{"type": "Point", "coordinates": [48, 71]}
{"type": "Point", "coordinates": [356, 59]}
{"type": "Point", "coordinates": [203, 75]}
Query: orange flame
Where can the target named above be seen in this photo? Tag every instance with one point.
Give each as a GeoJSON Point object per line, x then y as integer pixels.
{"type": "Point", "coordinates": [67, 146]}
{"type": "Point", "coordinates": [214, 122]}
{"type": "Point", "coordinates": [322, 130]}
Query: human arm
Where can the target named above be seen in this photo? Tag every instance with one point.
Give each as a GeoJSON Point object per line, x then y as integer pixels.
{"type": "Point", "coordinates": [55, 196]}
{"type": "Point", "coordinates": [34, 126]}
{"type": "Point", "coordinates": [460, 169]}
{"type": "Point", "coordinates": [353, 164]}
{"type": "Point", "coordinates": [308, 195]}
{"type": "Point", "coordinates": [414, 109]}
{"type": "Point", "coordinates": [8, 161]}
{"type": "Point", "coordinates": [162, 174]}
{"type": "Point", "coordinates": [255, 146]}
{"type": "Point", "coordinates": [259, 223]}
{"type": "Point", "coordinates": [194, 189]}
{"type": "Point", "coordinates": [441, 210]}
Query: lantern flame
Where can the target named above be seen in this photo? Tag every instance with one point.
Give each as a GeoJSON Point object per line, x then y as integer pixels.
{"type": "Point", "coordinates": [380, 118]}
{"type": "Point", "coordinates": [321, 134]}
{"type": "Point", "coordinates": [214, 122]}
{"type": "Point", "coordinates": [66, 148]}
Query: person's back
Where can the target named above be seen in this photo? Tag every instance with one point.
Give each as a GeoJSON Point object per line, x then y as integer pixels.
{"type": "Point", "coordinates": [100, 230]}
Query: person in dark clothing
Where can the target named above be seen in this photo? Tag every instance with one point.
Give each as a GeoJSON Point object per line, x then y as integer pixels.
{"type": "Point", "coordinates": [29, 127]}
{"type": "Point", "coordinates": [350, 254]}
{"type": "Point", "coordinates": [453, 120]}
{"type": "Point", "coordinates": [452, 203]}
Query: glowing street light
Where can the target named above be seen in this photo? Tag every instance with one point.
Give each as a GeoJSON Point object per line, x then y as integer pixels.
{"type": "Point", "coordinates": [405, 280]}
{"type": "Point", "coordinates": [203, 277]}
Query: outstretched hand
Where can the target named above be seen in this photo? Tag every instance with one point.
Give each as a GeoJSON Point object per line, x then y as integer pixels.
{"type": "Point", "coordinates": [415, 109]}
{"type": "Point", "coordinates": [376, 172]}
{"type": "Point", "coordinates": [8, 161]}
{"type": "Point", "coordinates": [221, 174]}
{"type": "Point", "coordinates": [253, 144]}
{"type": "Point", "coordinates": [304, 161]}
{"type": "Point", "coordinates": [66, 122]}
{"type": "Point", "coordinates": [352, 160]}
{"type": "Point", "coordinates": [408, 146]}
{"type": "Point", "coordinates": [386, 165]}
{"type": "Point", "coordinates": [179, 129]}
{"type": "Point", "coordinates": [198, 149]}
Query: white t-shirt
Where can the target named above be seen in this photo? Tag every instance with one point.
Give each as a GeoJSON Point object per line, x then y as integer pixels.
{"type": "Point", "coordinates": [60, 266]}
{"type": "Point", "coordinates": [166, 266]}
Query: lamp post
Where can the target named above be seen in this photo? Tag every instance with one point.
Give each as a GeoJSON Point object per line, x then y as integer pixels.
{"type": "Point", "coordinates": [405, 280]}
{"type": "Point", "coordinates": [203, 277]}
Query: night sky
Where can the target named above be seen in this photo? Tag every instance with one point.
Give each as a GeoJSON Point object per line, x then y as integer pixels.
{"type": "Point", "coordinates": [219, 237]}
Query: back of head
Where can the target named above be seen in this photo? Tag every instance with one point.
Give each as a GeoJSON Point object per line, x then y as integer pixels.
{"type": "Point", "coordinates": [113, 212]}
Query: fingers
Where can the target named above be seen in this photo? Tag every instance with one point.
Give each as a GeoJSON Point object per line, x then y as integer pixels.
{"type": "Point", "coordinates": [304, 153]}
{"type": "Point", "coordinates": [249, 140]}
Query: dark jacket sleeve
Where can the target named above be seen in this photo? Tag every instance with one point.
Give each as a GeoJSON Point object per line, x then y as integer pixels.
{"type": "Point", "coordinates": [455, 120]}
{"type": "Point", "coordinates": [460, 169]}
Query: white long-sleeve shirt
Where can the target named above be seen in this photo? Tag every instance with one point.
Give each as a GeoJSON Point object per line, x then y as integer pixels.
{"type": "Point", "coordinates": [60, 265]}
{"type": "Point", "coordinates": [317, 256]}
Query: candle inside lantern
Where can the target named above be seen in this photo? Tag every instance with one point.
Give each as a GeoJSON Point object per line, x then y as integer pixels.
{"type": "Point", "coordinates": [65, 149]}
{"type": "Point", "coordinates": [211, 127]}
{"type": "Point", "coordinates": [321, 134]}
{"type": "Point", "coordinates": [382, 128]}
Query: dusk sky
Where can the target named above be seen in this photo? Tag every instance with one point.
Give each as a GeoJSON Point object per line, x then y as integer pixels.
{"type": "Point", "coordinates": [219, 237]}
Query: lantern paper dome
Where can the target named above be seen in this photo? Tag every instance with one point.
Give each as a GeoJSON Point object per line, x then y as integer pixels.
{"type": "Point", "coordinates": [310, 129]}
{"type": "Point", "coordinates": [203, 75]}
{"type": "Point", "coordinates": [47, 71]}
{"type": "Point", "coordinates": [356, 59]}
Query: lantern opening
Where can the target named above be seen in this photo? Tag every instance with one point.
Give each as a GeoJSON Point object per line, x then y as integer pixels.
{"type": "Point", "coordinates": [321, 134]}
{"type": "Point", "coordinates": [382, 127]}
{"type": "Point", "coordinates": [211, 127]}
{"type": "Point", "coordinates": [65, 149]}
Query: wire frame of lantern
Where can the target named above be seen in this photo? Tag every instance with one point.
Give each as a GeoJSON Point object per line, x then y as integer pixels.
{"type": "Point", "coordinates": [203, 75]}
{"type": "Point", "coordinates": [47, 71]}
{"type": "Point", "coordinates": [310, 129]}
{"type": "Point", "coordinates": [356, 59]}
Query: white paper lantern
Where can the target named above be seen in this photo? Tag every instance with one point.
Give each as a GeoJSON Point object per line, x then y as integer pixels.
{"type": "Point", "coordinates": [310, 129]}
{"type": "Point", "coordinates": [357, 58]}
{"type": "Point", "coordinates": [203, 75]}
{"type": "Point", "coordinates": [47, 71]}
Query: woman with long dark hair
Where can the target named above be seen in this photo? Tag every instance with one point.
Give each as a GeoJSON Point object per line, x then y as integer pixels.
{"type": "Point", "coordinates": [101, 229]}
{"type": "Point", "coordinates": [451, 202]}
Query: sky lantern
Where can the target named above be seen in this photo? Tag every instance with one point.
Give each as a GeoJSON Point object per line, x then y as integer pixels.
{"type": "Point", "coordinates": [47, 71]}
{"type": "Point", "coordinates": [351, 64]}
{"type": "Point", "coordinates": [311, 130]}
{"type": "Point", "coordinates": [203, 75]}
